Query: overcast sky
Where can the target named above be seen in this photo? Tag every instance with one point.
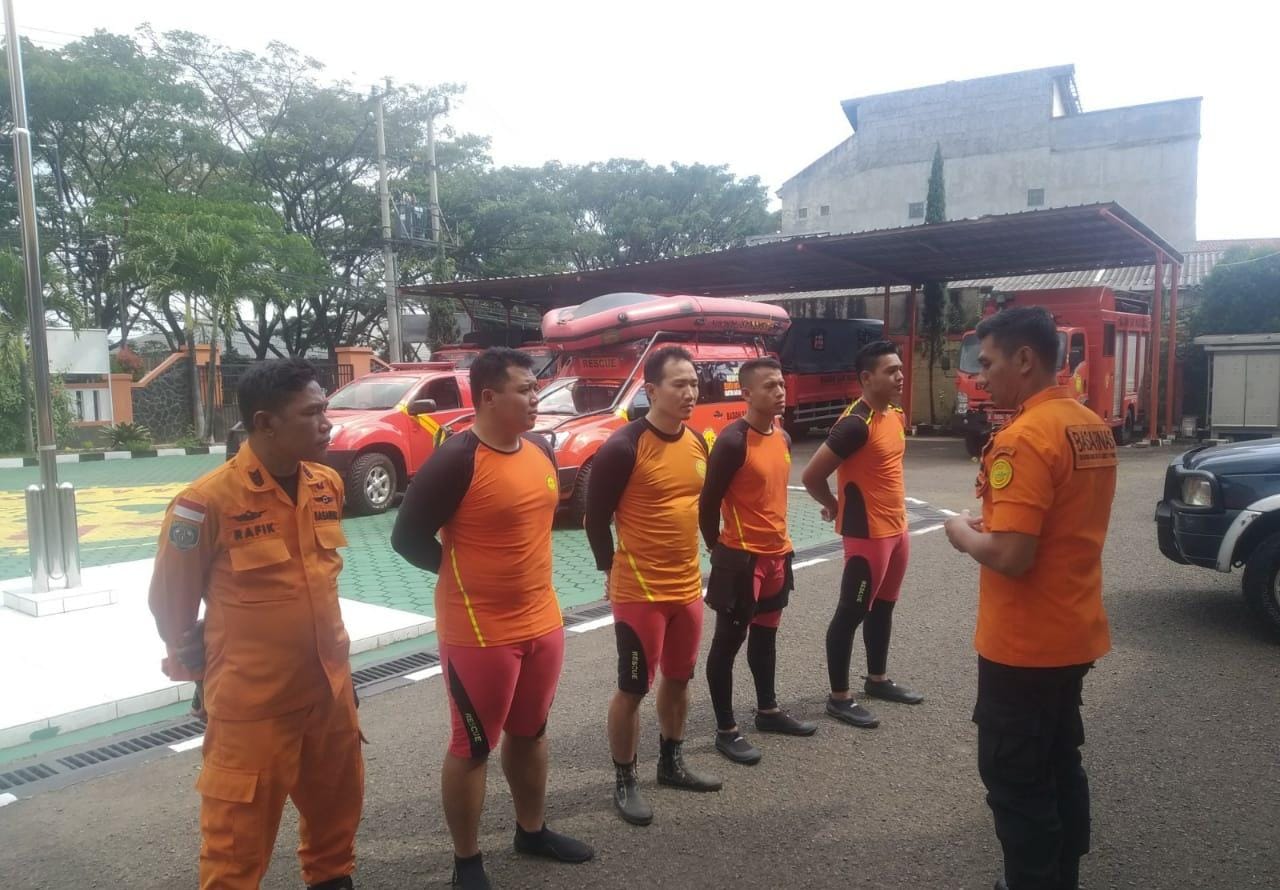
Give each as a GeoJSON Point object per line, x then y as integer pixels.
{"type": "Point", "coordinates": [757, 86]}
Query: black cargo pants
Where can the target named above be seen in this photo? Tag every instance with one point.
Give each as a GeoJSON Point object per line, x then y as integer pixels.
{"type": "Point", "coordinates": [1029, 738]}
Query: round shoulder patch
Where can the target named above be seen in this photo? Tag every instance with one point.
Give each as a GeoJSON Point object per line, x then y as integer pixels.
{"type": "Point", "coordinates": [551, 482]}
{"type": "Point", "coordinates": [1001, 473]}
{"type": "Point", "coordinates": [701, 466]}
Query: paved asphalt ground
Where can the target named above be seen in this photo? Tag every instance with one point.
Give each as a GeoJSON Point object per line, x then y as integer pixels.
{"type": "Point", "coordinates": [1183, 720]}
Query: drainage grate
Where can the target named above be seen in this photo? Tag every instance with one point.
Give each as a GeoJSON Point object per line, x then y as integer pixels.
{"type": "Point", "coordinates": [591, 613]}
{"type": "Point", "coordinates": [394, 668]}
{"type": "Point", "coordinates": [820, 550]}
{"type": "Point", "coordinates": [170, 735]}
{"type": "Point", "coordinates": [26, 775]}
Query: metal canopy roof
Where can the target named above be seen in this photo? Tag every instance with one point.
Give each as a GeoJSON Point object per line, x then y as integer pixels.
{"type": "Point", "coordinates": [1094, 236]}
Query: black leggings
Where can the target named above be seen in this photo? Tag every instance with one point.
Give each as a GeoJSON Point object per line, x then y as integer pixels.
{"type": "Point", "coordinates": [762, 657]}
{"type": "Point", "coordinates": [853, 608]}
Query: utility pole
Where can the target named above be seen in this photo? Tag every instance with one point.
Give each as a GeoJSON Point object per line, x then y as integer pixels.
{"type": "Point", "coordinates": [395, 344]}
{"type": "Point", "coordinates": [47, 527]}
{"type": "Point", "coordinates": [436, 227]}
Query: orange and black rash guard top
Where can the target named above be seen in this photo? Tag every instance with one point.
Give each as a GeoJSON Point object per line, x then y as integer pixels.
{"type": "Point", "coordinates": [871, 496]}
{"type": "Point", "coordinates": [494, 512]}
{"type": "Point", "coordinates": [648, 482]}
{"type": "Point", "coordinates": [747, 485]}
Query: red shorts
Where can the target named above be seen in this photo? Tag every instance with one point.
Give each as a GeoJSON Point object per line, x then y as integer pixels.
{"type": "Point", "coordinates": [886, 563]}
{"type": "Point", "coordinates": [495, 689]}
{"type": "Point", "coordinates": [770, 574]}
{"type": "Point", "coordinates": [650, 634]}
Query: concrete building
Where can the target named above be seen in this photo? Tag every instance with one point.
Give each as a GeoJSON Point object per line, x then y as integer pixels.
{"type": "Point", "coordinates": [1010, 143]}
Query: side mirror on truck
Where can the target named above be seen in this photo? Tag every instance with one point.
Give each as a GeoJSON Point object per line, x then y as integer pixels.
{"type": "Point", "coordinates": [421, 406]}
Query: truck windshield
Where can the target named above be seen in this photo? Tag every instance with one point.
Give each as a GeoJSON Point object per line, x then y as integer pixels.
{"type": "Point", "coordinates": [377, 392]}
{"type": "Point", "coordinates": [577, 395]}
{"type": "Point", "coordinates": [970, 347]}
{"type": "Point", "coordinates": [969, 354]}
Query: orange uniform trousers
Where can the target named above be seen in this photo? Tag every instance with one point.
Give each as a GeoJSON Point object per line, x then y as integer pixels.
{"type": "Point", "coordinates": [311, 756]}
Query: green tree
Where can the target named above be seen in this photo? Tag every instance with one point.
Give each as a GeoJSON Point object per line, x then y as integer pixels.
{"type": "Point", "coordinates": [1241, 295]}
{"type": "Point", "coordinates": [934, 317]}
{"type": "Point", "coordinates": [207, 258]}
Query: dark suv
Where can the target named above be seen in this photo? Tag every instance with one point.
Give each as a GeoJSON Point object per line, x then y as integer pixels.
{"type": "Point", "coordinates": [1221, 509]}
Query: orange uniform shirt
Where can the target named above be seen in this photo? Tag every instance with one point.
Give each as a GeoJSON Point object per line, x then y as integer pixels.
{"type": "Point", "coordinates": [871, 494]}
{"type": "Point", "coordinates": [494, 511]}
{"type": "Point", "coordinates": [267, 570]}
{"type": "Point", "coordinates": [648, 483]}
{"type": "Point", "coordinates": [1050, 472]}
{"type": "Point", "coordinates": [746, 487]}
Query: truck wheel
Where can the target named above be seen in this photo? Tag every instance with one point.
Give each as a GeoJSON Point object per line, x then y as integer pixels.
{"type": "Point", "coordinates": [577, 511]}
{"type": "Point", "coordinates": [974, 443]}
{"type": "Point", "coordinates": [1124, 434]}
{"type": "Point", "coordinates": [1262, 581]}
{"type": "Point", "coordinates": [371, 484]}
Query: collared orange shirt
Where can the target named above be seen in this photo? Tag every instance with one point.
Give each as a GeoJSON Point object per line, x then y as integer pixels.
{"type": "Point", "coordinates": [871, 496]}
{"type": "Point", "coordinates": [1051, 473]}
{"type": "Point", "coordinates": [267, 570]}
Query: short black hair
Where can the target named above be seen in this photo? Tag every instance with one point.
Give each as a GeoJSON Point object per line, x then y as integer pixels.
{"type": "Point", "coordinates": [869, 356]}
{"type": "Point", "coordinates": [491, 367]}
{"type": "Point", "coordinates": [1030, 326]}
{"type": "Point", "coordinates": [656, 364]}
{"type": "Point", "coordinates": [764, 363]}
{"type": "Point", "coordinates": [268, 386]}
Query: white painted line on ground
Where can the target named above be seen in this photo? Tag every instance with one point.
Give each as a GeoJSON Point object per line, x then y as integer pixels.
{"type": "Point", "coordinates": [915, 501]}
{"type": "Point", "coordinates": [592, 625]}
{"type": "Point", "coordinates": [171, 452]}
{"type": "Point", "coordinates": [796, 488]}
{"type": "Point", "coordinates": [188, 745]}
{"type": "Point", "coordinates": [7, 798]}
{"type": "Point", "coordinates": [926, 530]}
{"type": "Point", "coordinates": [425, 673]}
{"type": "Point", "coordinates": [11, 463]}
{"type": "Point", "coordinates": [807, 563]}
{"type": "Point", "coordinates": [946, 512]}
{"type": "Point", "coordinates": [67, 459]}
{"type": "Point", "coordinates": [217, 449]}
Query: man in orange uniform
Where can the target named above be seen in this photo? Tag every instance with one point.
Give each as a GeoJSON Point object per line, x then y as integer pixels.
{"type": "Point", "coordinates": [751, 558]}
{"type": "Point", "coordinates": [1047, 482]}
{"type": "Point", "coordinates": [865, 450]}
{"type": "Point", "coordinates": [647, 478]}
{"type": "Point", "coordinates": [257, 539]}
{"type": "Point", "coordinates": [491, 493]}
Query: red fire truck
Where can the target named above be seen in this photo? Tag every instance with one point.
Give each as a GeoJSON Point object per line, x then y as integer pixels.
{"type": "Point", "coordinates": [1102, 349]}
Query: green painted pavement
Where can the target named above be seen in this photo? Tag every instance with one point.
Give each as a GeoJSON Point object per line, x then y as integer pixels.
{"type": "Point", "coordinates": [121, 504]}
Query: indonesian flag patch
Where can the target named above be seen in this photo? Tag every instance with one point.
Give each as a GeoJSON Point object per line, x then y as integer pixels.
{"type": "Point", "coordinates": [188, 510]}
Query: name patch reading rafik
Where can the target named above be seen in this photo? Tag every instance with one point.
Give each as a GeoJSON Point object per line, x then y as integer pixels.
{"type": "Point", "coordinates": [1092, 446]}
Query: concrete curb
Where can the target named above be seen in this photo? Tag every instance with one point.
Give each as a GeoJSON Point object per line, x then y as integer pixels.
{"type": "Point", "coordinates": [85, 457]}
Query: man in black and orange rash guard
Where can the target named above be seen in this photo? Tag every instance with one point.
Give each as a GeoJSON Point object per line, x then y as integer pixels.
{"type": "Point", "coordinates": [647, 478]}
{"type": "Point", "coordinates": [487, 491]}
{"type": "Point", "coordinates": [751, 558]}
{"type": "Point", "coordinates": [865, 450]}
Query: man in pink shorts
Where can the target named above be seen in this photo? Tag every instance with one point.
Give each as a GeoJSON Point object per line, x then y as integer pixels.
{"type": "Point", "coordinates": [493, 488]}
{"type": "Point", "coordinates": [647, 478]}
{"type": "Point", "coordinates": [750, 558]}
{"type": "Point", "coordinates": [865, 450]}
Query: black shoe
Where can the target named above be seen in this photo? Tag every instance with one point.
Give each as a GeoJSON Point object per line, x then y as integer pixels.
{"type": "Point", "coordinates": [626, 796]}
{"type": "Point", "coordinates": [675, 773]}
{"type": "Point", "coordinates": [784, 724]}
{"type": "Point", "coordinates": [469, 874]}
{"type": "Point", "coordinates": [551, 845]}
{"type": "Point", "coordinates": [343, 883]}
{"type": "Point", "coordinates": [733, 746]}
{"type": "Point", "coordinates": [891, 691]}
{"type": "Point", "coordinates": [847, 710]}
